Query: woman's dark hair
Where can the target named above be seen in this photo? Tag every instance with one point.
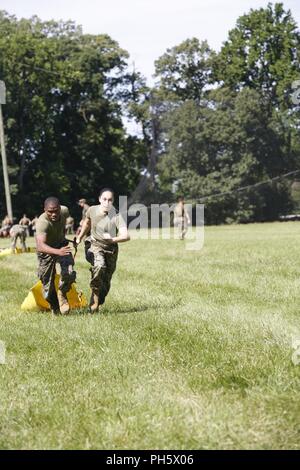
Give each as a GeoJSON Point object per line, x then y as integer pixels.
{"type": "Point", "coordinates": [106, 189]}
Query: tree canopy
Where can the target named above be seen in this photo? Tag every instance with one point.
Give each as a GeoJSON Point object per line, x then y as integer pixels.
{"type": "Point", "coordinates": [65, 91]}
{"type": "Point", "coordinates": [242, 127]}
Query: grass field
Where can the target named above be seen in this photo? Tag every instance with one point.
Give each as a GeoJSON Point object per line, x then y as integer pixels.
{"type": "Point", "coordinates": [192, 350]}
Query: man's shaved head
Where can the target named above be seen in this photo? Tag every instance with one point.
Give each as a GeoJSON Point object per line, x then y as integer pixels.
{"type": "Point", "coordinates": [51, 201]}
{"type": "Point", "coordinates": [52, 208]}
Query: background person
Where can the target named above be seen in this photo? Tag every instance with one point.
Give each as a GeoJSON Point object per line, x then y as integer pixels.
{"type": "Point", "coordinates": [26, 223]}
{"type": "Point", "coordinates": [69, 225]}
{"type": "Point", "coordinates": [18, 232]}
{"type": "Point", "coordinates": [181, 218]}
{"type": "Point", "coordinates": [85, 207]}
{"type": "Point", "coordinates": [33, 225]}
{"type": "Point", "coordinates": [6, 225]}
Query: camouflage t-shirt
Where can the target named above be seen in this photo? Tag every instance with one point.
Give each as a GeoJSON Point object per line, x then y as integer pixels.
{"type": "Point", "coordinates": [17, 229]}
{"type": "Point", "coordinates": [103, 222]}
{"type": "Point", "coordinates": [55, 231]}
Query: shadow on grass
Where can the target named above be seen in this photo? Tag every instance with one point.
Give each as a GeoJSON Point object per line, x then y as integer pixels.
{"type": "Point", "coordinates": [127, 310]}
{"type": "Point", "coordinates": [117, 309]}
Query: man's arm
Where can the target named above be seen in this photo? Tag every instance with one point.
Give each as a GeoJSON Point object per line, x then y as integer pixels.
{"type": "Point", "coordinates": [85, 228]}
{"type": "Point", "coordinates": [42, 247]}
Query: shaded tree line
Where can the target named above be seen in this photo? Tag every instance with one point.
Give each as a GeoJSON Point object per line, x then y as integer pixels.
{"type": "Point", "coordinates": [227, 120]}
{"type": "Point", "coordinates": [64, 128]}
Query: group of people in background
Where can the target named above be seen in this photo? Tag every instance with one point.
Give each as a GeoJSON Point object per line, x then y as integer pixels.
{"type": "Point", "coordinates": [25, 223]}
{"type": "Point", "coordinates": [27, 227]}
{"type": "Point", "coordinates": [24, 228]}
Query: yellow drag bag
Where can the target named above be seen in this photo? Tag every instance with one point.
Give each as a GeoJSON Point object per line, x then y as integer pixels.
{"type": "Point", "coordinates": [6, 251]}
{"type": "Point", "coordinates": [16, 251]}
{"type": "Point", "coordinates": [35, 300]}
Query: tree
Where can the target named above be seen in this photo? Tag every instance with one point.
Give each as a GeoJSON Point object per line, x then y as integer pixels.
{"type": "Point", "coordinates": [240, 129]}
{"type": "Point", "coordinates": [220, 147]}
{"type": "Point", "coordinates": [184, 71]}
{"type": "Point", "coordinates": [64, 112]}
{"type": "Point", "coordinates": [262, 52]}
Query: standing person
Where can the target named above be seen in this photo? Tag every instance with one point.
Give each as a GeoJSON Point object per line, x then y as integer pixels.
{"type": "Point", "coordinates": [52, 248]}
{"type": "Point", "coordinates": [18, 231]}
{"type": "Point", "coordinates": [25, 222]}
{"type": "Point", "coordinates": [69, 225]}
{"type": "Point", "coordinates": [33, 225]}
{"type": "Point", "coordinates": [85, 207]}
{"type": "Point", "coordinates": [107, 228]}
{"type": "Point", "coordinates": [181, 218]}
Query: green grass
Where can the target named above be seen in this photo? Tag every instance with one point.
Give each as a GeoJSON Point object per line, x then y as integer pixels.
{"type": "Point", "coordinates": [191, 351]}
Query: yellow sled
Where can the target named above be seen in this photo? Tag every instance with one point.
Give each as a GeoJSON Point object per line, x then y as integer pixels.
{"type": "Point", "coordinates": [16, 251]}
{"type": "Point", "coordinates": [35, 300]}
{"type": "Point", "coordinates": [6, 251]}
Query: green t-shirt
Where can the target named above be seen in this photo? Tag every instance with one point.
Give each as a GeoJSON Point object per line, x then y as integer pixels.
{"type": "Point", "coordinates": [103, 222]}
{"type": "Point", "coordinates": [55, 231]}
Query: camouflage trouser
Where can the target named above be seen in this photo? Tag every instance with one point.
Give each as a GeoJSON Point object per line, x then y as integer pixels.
{"type": "Point", "coordinates": [14, 238]}
{"type": "Point", "coordinates": [103, 265]}
{"type": "Point", "coordinates": [181, 223]}
{"type": "Point", "coordinates": [47, 271]}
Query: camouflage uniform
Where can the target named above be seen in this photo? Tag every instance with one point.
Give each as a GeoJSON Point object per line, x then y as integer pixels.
{"type": "Point", "coordinates": [18, 231]}
{"type": "Point", "coordinates": [103, 265]}
{"type": "Point", "coordinates": [47, 271]}
{"type": "Point", "coordinates": [55, 237]}
{"type": "Point", "coordinates": [181, 220]}
{"type": "Point", "coordinates": [101, 254]}
{"type": "Point", "coordinates": [25, 222]}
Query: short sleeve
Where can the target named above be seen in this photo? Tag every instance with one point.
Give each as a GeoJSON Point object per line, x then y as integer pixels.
{"type": "Point", "coordinates": [88, 213]}
{"type": "Point", "coordinates": [120, 222]}
{"type": "Point", "coordinates": [41, 227]}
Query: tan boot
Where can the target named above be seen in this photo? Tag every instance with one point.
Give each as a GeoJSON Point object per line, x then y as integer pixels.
{"type": "Point", "coordinates": [64, 306]}
{"type": "Point", "coordinates": [94, 302]}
